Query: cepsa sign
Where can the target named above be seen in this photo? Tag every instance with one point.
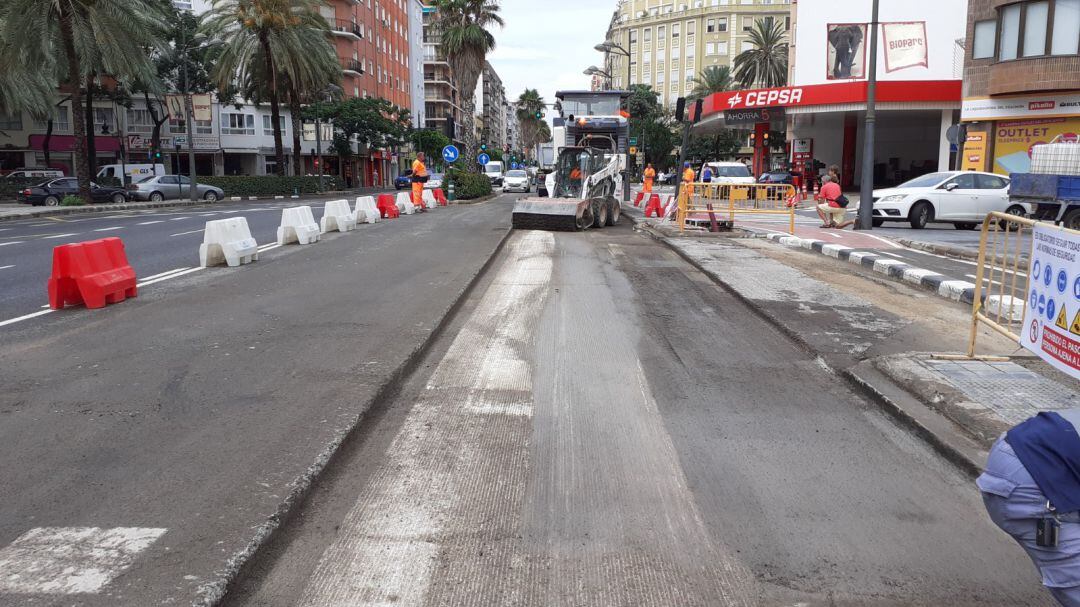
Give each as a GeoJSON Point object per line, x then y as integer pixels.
{"type": "Point", "coordinates": [766, 98]}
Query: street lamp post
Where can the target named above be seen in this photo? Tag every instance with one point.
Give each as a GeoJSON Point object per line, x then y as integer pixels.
{"type": "Point", "coordinates": [866, 184]}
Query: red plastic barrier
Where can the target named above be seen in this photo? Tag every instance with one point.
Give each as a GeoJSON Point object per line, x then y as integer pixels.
{"type": "Point", "coordinates": [94, 272]}
{"type": "Point", "coordinates": [637, 201]}
{"type": "Point", "coordinates": [387, 206]}
{"type": "Point", "coordinates": [441, 197]}
{"type": "Point", "coordinates": [654, 206]}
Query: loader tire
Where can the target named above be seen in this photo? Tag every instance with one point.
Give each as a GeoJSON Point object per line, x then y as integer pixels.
{"type": "Point", "coordinates": [614, 212]}
{"type": "Point", "coordinates": [600, 211]}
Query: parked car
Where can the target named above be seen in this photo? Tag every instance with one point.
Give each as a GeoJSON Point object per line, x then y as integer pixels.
{"type": "Point", "coordinates": [434, 181]}
{"type": "Point", "coordinates": [962, 198]}
{"type": "Point", "coordinates": [34, 173]}
{"type": "Point", "coordinates": [516, 181]}
{"type": "Point", "coordinates": [161, 187]}
{"type": "Point", "coordinates": [777, 178]}
{"type": "Point", "coordinates": [403, 181]}
{"type": "Point", "coordinates": [51, 192]}
{"type": "Point", "coordinates": [728, 172]}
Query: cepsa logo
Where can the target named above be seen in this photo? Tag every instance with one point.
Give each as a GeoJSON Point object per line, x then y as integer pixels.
{"type": "Point", "coordinates": [767, 98]}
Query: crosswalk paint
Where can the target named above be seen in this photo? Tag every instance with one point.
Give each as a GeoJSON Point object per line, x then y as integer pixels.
{"type": "Point", "coordinates": [71, 560]}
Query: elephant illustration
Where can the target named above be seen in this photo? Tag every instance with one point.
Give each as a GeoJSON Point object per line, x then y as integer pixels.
{"type": "Point", "coordinates": [845, 39]}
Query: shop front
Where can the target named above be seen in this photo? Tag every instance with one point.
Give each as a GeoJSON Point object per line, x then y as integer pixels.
{"type": "Point", "coordinates": [1001, 131]}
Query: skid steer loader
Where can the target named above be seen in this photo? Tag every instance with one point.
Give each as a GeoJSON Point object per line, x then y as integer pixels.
{"type": "Point", "coordinates": [583, 190]}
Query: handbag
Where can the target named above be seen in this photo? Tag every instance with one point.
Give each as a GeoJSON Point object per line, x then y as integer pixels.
{"type": "Point", "coordinates": [419, 179]}
{"type": "Point", "coordinates": [842, 201]}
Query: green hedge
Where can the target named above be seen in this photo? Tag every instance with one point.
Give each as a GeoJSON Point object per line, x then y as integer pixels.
{"type": "Point", "coordinates": [468, 186]}
{"type": "Point", "coordinates": [271, 185]}
{"type": "Point", "coordinates": [9, 188]}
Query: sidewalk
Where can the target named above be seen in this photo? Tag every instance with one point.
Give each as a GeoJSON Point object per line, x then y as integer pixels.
{"type": "Point", "coordinates": [879, 340]}
{"type": "Point", "coordinates": [9, 212]}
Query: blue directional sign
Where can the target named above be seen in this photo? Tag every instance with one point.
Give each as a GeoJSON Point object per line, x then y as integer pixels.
{"type": "Point", "coordinates": [483, 159]}
{"type": "Point", "coordinates": [450, 154]}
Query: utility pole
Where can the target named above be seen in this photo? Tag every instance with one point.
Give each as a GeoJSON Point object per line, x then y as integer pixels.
{"type": "Point", "coordinates": [866, 185]}
{"type": "Point", "coordinates": [318, 146]}
{"type": "Point", "coordinates": [192, 191]}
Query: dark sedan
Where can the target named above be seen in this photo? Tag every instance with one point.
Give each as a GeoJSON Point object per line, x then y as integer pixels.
{"type": "Point", "coordinates": [403, 181]}
{"type": "Point", "coordinates": [777, 177]}
{"type": "Point", "coordinates": [51, 192]}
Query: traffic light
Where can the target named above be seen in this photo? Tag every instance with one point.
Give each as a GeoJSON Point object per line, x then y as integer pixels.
{"type": "Point", "coordinates": [697, 110]}
{"type": "Point", "coordinates": [483, 147]}
{"type": "Point", "coordinates": [157, 155]}
{"type": "Point", "coordinates": [765, 139]}
{"type": "Point", "coordinates": [539, 115]}
{"type": "Point", "coordinates": [680, 109]}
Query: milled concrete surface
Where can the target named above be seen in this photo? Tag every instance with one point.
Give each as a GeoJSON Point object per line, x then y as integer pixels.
{"type": "Point", "coordinates": [604, 425]}
{"type": "Point", "coordinates": [200, 407]}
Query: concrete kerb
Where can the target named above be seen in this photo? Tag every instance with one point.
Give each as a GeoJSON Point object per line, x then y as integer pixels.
{"type": "Point", "coordinates": [955, 447]}
{"type": "Point", "coordinates": [214, 592]}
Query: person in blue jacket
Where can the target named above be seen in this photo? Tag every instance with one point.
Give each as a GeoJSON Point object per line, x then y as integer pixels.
{"type": "Point", "coordinates": [1031, 489]}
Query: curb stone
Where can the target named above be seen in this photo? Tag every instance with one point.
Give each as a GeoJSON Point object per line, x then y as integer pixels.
{"type": "Point", "coordinates": [214, 592]}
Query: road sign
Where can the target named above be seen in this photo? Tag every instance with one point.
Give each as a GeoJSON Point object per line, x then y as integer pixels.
{"type": "Point", "coordinates": [180, 140]}
{"type": "Point", "coordinates": [450, 153]}
{"type": "Point", "coordinates": [483, 159]}
{"type": "Point", "coordinates": [1052, 267]}
{"type": "Point", "coordinates": [633, 141]}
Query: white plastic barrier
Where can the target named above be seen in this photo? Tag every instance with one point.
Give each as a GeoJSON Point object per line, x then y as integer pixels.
{"type": "Point", "coordinates": [228, 241]}
{"type": "Point", "coordinates": [337, 216]}
{"type": "Point", "coordinates": [366, 210]}
{"type": "Point", "coordinates": [429, 199]}
{"type": "Point", "coordinates": [404, 203]}
{"type": "Point", "coordinates": [298, 225]}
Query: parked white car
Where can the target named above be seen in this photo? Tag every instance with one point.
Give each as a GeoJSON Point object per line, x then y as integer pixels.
{"type": "Point", "coordinates": [728, 172]}
{"type": "Point", "coordinates": [962, 198]}
{"type": "Point", "coordinates": [516, 180]}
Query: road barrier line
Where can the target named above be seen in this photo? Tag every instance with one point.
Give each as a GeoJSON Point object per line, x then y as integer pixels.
{"type": "Point", "coordinates": [186, 233]}
{"type": "Point", "coordinates": [109, 229]}
{"type": "Point", "coordinates": [149, 223]}
{"type": "Point", "coordinates": [11, 321]}
{"type": "Point", "coordinates": [172, 271]}
{"type": "Point", "coordinates": [58, 236]}
{"type": "Point", "coordinates": [169, 277]}
{"type": "Point", "coordinates": [4, 244]}
{"type": "Point", "coordinates": [6, 267]}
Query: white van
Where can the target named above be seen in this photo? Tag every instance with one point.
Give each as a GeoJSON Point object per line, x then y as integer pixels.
{"type": "Point", "coordinates": [135, 172]}
{"type": "Point", "coordinates": [728, 172]}
{"type": "Point", "coordinates": [494, 172]}
{"type": "Point", "coordinates": [31, 173]}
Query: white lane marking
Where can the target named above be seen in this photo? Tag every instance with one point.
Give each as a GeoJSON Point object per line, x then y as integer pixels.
{"type": "Point", "coordinates": [890, 254]}
{"type": "Point", "coordinates": [834, 235]}
{"type": "Point", "coordinates": [172, 271]}
{"type": "Point", "coordinates": [71, 560]}
{"type": "Point", "coordinates": [109, 229]}
{"type": "Point", "coordinates": [58, 236]}
{"type": "Point", "coordinates": [268, 247]}
{"type": "Point", "coordinates": [4, 244]}
{"type": "Point", "coordinates": [6, 267]}
{"type": "Point", "coordinates": [179, 218]}
{"type": "Point", "coordinates": [148, 223]}
{"type": "Point", "coordinates": [885, 240]}
{"type": "Point", "coordinates": [186, 233]}
{"type": "Point", "coordinates": [11, 321]}
{"type": "Point", "coordinates": [169, 277]}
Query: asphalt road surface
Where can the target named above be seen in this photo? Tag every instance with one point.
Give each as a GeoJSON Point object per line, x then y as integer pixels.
{"type": "Point", "coordinates": [602, 425]}
{"type": "Point", "coordinates": [146, 445]}
{"type": "Point", "coordinates": [156, 241]}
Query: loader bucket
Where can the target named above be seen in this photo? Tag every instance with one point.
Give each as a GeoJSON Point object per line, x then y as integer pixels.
{"type": "Point", "coordinates": [552, 214]}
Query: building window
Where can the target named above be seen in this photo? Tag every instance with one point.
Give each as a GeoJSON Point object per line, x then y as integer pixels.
{"type": "Point", "coordinates": [238, 124]}
{"type": "Point", "coordinates": [691, 28]}
{"type": "Point", "coordinates": [268, 130]}
{"type": "Point", "coordinates": [674, 30]}
{"type": "Point", "coordinates": [721, 47]}
{"type": "Point", "coordinates": [710, 26]}
{"type": "Point", "coordinates": [648, 34]}
{"type": "Point", "coordinates": [747, 23]}
{"type": "Point", "coordinates": [721, 24]}
{"type": "Point", "coordinates": [985, 37]}
{"type": "Point", "coordinates": [10, 123]}
{"type": "Point", "coordinates": [60, 122]}
{"type": "Point", "coordinates": [1037, 28]}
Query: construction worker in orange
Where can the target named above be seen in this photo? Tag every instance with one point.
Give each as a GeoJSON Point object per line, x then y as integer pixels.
{"type": "Point", "coordinates": [650, 175]}
{"type": "Point", "coordinates": [419, 178]}
{"type": "Point", "coordinates": [688, 180]}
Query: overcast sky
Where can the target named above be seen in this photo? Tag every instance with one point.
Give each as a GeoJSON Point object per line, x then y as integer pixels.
{"type": "Point", "coordinates": [546, 45]}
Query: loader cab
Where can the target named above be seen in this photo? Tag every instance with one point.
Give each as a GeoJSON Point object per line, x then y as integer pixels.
{"type": "Point", "coordinates": [574, 166]}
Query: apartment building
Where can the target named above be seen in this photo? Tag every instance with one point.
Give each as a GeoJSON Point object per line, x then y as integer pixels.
{"type": "Point", "coordinates": [671, 41]}
{"type": "Point", "coordinates": [513, 127]}
{"type": "Point", "coordinates": [490, 108]}
{"type": "Point", "coordinates": [442, 107]}
{"type": "Point", "coordinates": [1020, 80]}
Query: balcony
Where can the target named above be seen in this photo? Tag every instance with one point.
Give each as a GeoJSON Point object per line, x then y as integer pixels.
{"type": "Point", "coordinates": [347, 29]}
{"type": "Point", "coordinates": [352, 67]}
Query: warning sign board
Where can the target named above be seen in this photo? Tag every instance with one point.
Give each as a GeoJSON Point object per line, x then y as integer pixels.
{"type": "Point", "coordinates": [1054, 299]}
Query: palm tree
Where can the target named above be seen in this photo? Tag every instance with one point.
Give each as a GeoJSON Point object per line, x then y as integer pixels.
{"type": "Point", "coordinates": [713, 79]}
{"type": "Point", "coordinates": [22, 89]}
{"type": "Point", "coordinates": [465, 42]}
{"type": "Point", "coordinates": [529, 104]}
{"type": "Point", "coordinates": [67, 41]}
{"type": "Point", "coordinates": [264, 35]}
{"type": "Point", "coordinates": [766, 64]}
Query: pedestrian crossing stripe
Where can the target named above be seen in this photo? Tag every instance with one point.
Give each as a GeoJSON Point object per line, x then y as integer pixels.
{"type": "Point", "coordinates": [1075, 328]}
{"type": "Point", "coordinates": [1063, 319]}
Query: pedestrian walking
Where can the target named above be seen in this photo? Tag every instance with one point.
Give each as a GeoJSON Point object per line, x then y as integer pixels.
{"type": "Point", "coordinates": [375, 178]}
{"type": "Point", "coordinates": [1031, 490]}
{"type": "Point", "coordinates": [833, 206]}
{"type": "Point", "coordinates": [706, 174]}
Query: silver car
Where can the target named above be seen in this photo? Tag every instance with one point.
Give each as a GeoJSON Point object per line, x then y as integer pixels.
{"type": "Point", "coordinates": [164, 187]}
{"type": "Point", "coordinates": [516, 181]}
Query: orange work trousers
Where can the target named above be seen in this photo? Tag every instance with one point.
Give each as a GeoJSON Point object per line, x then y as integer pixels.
{"type": "Point", "coordinates": [418, 194]}
{"type": "Point", "coordinates": [648, 185]}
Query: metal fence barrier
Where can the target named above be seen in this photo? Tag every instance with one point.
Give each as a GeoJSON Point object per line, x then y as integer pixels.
{"type": "Point", "coordinates": [1003, 277]}
{"type": "Point", "coordinates": [705, 201]}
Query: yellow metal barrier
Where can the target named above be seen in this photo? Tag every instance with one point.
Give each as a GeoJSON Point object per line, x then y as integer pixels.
{"type": "Point", "coordinates": [707, 200]}
{"type": "Point", "coordinates": [1003, 278]}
